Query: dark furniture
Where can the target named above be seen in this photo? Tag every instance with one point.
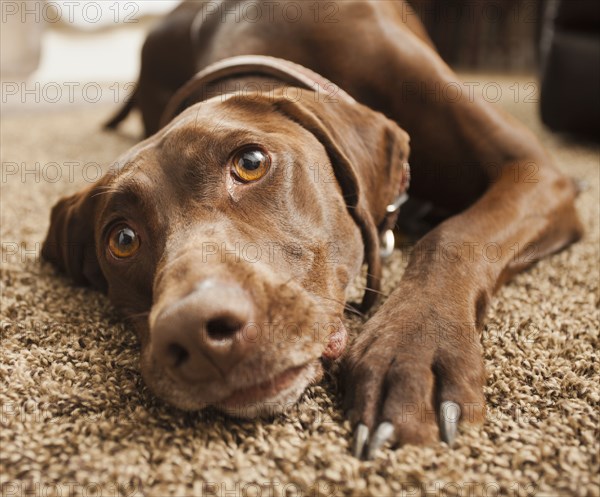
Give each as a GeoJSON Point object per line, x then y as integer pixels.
{"type": "Point", "coordinates": [570, 67]}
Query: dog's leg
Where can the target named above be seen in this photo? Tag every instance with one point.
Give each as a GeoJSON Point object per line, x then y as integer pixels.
{"type": "Point", "coordinates": [422, 349]}
{"type": "Point", "coordinates": [417, 366]}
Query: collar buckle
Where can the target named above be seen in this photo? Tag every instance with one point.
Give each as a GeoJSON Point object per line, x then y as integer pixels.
{"type": "Point", "coordinates": [387, 243]}
{"type": "Point", "coordinates": [388, 239]}
{"type": "Point", "coordinates": [398, 202]}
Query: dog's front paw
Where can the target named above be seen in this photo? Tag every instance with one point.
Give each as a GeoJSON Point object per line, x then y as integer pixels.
{"type": "Point", "coordinates": [412, 375]}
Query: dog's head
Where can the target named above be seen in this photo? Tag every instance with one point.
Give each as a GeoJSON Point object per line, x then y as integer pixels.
{"type": "Point", "coordinates": [229, 239]}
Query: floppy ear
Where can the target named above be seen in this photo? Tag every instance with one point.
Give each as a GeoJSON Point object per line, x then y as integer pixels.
{"type": "Point", "coordinates": [70, 243]}
{"type": "Point", "coordinates": [369, 155]}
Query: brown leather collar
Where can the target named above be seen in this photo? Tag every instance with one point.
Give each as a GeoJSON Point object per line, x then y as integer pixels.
{"type": "Point", "coordinates": [261, 65]}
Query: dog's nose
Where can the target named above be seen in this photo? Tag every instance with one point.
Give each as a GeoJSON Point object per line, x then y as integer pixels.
{"type": "Point", "coordinates": [205, 332]}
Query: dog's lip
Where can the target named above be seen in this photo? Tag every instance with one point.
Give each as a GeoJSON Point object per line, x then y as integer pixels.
{"type": "Point", "coordinates": [263, 390]}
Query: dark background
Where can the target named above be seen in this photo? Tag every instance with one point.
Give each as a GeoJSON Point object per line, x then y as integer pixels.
{"type": "Point", "coordinates": [485, 34]}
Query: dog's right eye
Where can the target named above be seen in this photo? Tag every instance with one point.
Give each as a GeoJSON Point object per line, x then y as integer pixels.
{"type": "Point", "coordinates": [123, 241]}
{"type": "Point", "coordinates": [250, 164]}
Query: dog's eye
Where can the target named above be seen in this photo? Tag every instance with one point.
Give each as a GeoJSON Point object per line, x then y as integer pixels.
{"type": "Point", "coordinates": [250, 164]}
{"type": "Point", "coordinates": [123, 242]}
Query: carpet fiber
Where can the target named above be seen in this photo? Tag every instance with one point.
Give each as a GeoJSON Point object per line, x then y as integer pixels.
{"type": "Point", "coordinates": [77, 419]}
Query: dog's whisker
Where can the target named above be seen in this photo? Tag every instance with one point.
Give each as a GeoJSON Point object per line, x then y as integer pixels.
{"type": "Point", "coordinates": [106, 187]}
{"type": "Point", "coordinates": [107, 191]}
{"type": "Point", "coordinates": [345, 305]}
{"type": "Point", "coordinates": [137, 315]}
{"type": "Point", "coordinates": [366, 288]}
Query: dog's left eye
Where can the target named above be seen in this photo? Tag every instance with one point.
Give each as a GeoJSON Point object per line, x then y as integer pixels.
{"type": "Point", "coordinates": [250, 164]}
{"type": "Point", "coordinates": [123, 241]}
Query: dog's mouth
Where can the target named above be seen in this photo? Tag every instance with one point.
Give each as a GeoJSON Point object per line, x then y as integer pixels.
{"type": "Point", "coordinates": [290, 381]}
{"type": "Point", "coordinates": [265, 391]}
{"type": "Point", "coordinates": [270, 396]}
{"type": "Point", "coordinates": [285, 386]}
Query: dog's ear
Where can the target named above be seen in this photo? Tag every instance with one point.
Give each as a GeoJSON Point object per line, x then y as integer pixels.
{"type": "Point", "coordinates": [369, 155]}
{"type": "Point", "coordinates": [70, 242]}
{"type": "Point", "coordinates": [369, 150]}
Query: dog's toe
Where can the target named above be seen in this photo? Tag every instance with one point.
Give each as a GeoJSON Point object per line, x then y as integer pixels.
{"type": "Point", "coordinates": [361, 437]}
{"type": "Point", "coordinates": [449, 417]}
{"type": "Point", "coordinates": [383, 434]}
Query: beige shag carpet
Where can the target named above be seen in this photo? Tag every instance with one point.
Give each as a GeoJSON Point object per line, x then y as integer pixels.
{"type": "Point", "coordinates": [76, 418]}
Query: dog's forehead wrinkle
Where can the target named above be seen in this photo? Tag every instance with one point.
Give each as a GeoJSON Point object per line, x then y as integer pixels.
{"type": "Point", "coordinates": [215, 119]}
{"type": "Point", "coordinates": [250, 112]}
{"type": "Point", "coordinates": [247, 103]}
{"type": "Point", "coordinates": [136, 156]}
{"type": "Point", "coordinates": [133, 187]}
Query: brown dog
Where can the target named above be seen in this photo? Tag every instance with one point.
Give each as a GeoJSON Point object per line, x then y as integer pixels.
{"type": "Point", "coordinates": [231, 234]}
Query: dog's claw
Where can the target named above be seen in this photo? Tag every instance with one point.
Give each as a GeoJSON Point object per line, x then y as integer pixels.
{"type": "Point", "coordinates": [384, 432]}
{"type": "Point", "coordinates": [449, 417]}
{"type": "Point", "coordinates": [361, 436]}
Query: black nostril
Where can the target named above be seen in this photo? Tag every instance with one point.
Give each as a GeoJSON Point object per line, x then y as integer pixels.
{"type": "Point", "coordinates": [223, 327]}
{"type": "Point", "coordinates": [176, 355]}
